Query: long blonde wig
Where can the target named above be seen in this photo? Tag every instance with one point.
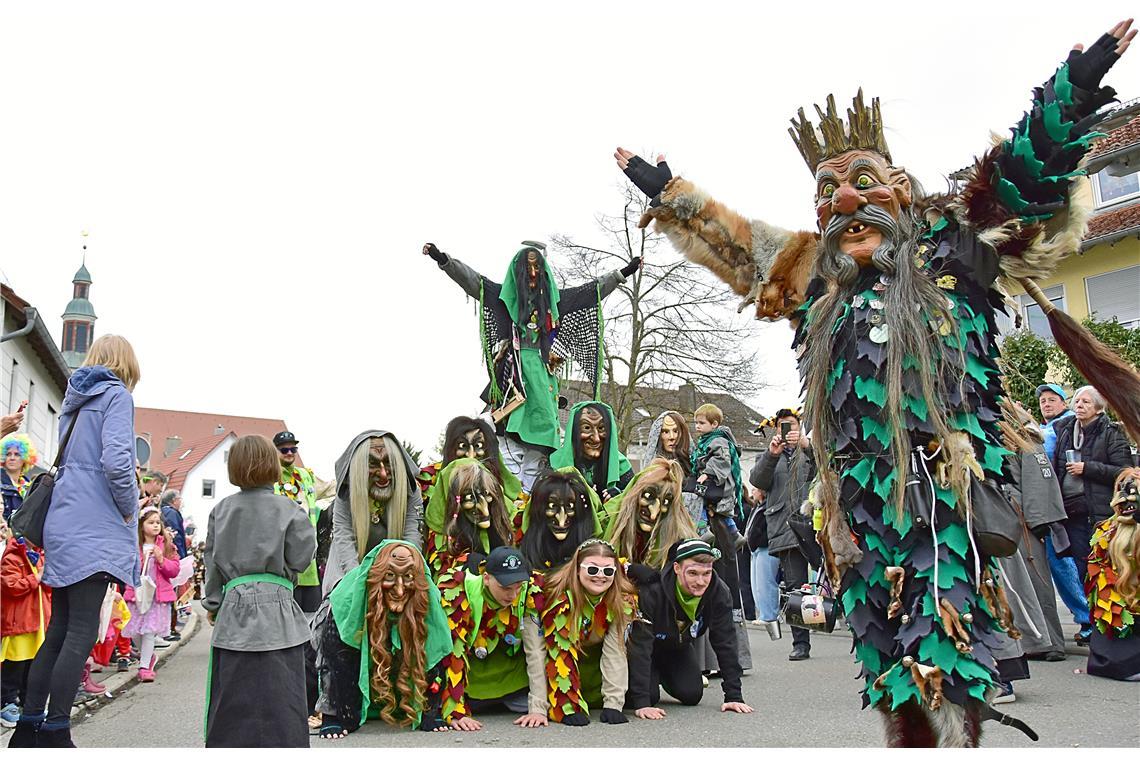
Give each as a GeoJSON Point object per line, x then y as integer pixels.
{"type": "Point", "coordinates": [670, 527]}
{"type": "Point", "coordinates": [360, 501]}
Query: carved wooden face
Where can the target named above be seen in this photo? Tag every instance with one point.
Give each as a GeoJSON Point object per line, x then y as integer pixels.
{"type": "Point", "coordinates": [670, 434]}
{"type": "Point", "coordinates": [398, 581]}
{"type": "Point", "coordinates": [532, 269]}
{"type": "Point", "coordinates": [1127, 496]}
{"type": "Point", "coordinates": [475, 504]}
{"type": "Point", "coordinates": [560, 514]}
{"type": "Point", "coordinates": [471, 445]}
{"type": "Point", "coordinates": [653, 504]}
{"type": "Point", "coordinates": [850, 181]}
{"type": "Point", "coordinates": [379, 470]}
{"type": "Point", "coordinates": [592, 433]}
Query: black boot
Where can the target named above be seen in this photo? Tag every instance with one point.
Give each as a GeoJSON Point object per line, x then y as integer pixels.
{"type": "Point", "coordinates": [27, 727]}
{"type": "Point", "coordinates": [55, 737]}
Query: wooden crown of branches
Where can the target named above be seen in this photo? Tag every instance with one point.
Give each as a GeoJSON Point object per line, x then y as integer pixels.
{"type": "Point", "coordinates": [863, 131]}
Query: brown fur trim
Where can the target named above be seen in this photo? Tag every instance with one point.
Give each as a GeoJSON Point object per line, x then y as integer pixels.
{"type": "Point", "coordinates": [767, 265]}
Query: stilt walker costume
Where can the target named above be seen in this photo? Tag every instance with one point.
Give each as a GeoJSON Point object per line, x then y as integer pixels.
{"type": "Point", "coordinates": [528, 328]}
{"type": "Point", "coordinates": [895, 335]}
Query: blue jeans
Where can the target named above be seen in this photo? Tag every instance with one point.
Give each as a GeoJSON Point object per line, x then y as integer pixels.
{"type": "Point", "coordinates": [765, 590]}
{"type": "Point", "coordinates": [1069, 586]}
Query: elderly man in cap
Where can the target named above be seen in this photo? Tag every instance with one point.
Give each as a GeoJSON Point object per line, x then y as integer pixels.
{"type": "Point", "coordinates": [498, 653]}
{"type": "Point", "coordinates": [1054, 407]}
{"type": "Point", "coordinates": [676, 606]}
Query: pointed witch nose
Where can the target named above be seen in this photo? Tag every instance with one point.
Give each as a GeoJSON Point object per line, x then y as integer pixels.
{"type": "Point", "coordinates": [846, 200]}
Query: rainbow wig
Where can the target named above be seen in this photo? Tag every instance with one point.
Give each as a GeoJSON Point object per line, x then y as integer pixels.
{"type": "Point", "coordinates": [22, 444]}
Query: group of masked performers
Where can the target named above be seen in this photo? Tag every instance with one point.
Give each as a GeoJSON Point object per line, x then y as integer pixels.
{"type": "Point", "coordinates": [526, 599]}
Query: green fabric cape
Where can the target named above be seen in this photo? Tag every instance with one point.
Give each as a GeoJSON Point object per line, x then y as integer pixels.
{"type": "Point", "coordinates": [617, 465]}
{"type": "Point", "coordinates": [595, 504]}
{"type": "Point", "coordinates": [536, 421]}
{"type": "Point", "coordinates": [435, 515]}
{"type": "Point", "coordinates": [348, 601]}
{"type": "Point", "coordinates": [509, 292]}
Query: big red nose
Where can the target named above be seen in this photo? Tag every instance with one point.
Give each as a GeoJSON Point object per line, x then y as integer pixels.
{"type": "Point", "coordinates": [846, 200]}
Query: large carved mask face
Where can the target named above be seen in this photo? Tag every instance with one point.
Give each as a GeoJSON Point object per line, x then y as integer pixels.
{"type": "Point", "coordinates": [379, 470]}
{"type": "Point", "coordinates": [653, 503]}
{"type": "Point", "coordinates": [560, 513]}
{"type": "Point", "coordinates": [475, 504]}
{"type": "Point", "coordinates": [1127, 496]}
{"type": "Point", "coordinates": [471, 445]}
{"type": "Point", "coordinates": [532, 268]}
{"type": "Point", "coordinates": [851, 190]}
{"type": "Point", "coordinates": [399, 579]}
{"type": "Point", "coordinates": [592, 434]}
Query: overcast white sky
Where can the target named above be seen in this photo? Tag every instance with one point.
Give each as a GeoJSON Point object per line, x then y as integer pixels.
{"type": "Point", "coordinates": [258, 178]}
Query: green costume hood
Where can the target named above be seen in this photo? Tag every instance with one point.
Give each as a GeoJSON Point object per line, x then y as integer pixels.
{"type": "Point", "coordinates": [436, 513]}
{"type": "Point", "coordinates": [509, 293]}
{"type": "Point", "coordinates": [616, 466]}
{"type": "Point", "coordinates": [348, 602]}
{"type": "Point", "coordinates": [595, 504]}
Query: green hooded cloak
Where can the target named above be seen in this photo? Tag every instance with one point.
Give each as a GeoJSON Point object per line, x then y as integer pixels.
{"type": "Point", "coordinates": [349, 601]}
{"type": "Point", "coordinates": [616, 465]}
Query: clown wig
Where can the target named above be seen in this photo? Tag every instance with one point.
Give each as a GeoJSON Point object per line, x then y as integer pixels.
{"type": "Point", "coordinates": [23, 446]}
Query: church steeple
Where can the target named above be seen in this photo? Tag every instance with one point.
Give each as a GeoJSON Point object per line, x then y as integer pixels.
{"type": "Point", "coordinates": [79, 316]}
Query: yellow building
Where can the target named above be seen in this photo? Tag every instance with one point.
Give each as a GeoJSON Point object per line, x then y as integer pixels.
{"type": "Point", "coordinates": [1103, 278]}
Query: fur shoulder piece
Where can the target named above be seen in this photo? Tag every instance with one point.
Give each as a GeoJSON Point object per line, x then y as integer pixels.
{"type": "Point", "coordinates": [767, 265]}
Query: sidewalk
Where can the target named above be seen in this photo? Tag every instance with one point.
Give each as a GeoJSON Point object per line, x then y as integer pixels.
{"type": "Point", "coordinates": [117, 683]}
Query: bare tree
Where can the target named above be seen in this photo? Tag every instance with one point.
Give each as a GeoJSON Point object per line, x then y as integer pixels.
{"type": "Point", "coordinates": [668, 325]}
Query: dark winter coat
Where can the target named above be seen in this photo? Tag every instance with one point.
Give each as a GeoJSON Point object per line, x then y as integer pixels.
{"type": "Point", "coordinates": [786, 480]}
{"type": "Point", "coordinates": [662, 627]}
{"type": "Point", "coordinates": [1105, 453]}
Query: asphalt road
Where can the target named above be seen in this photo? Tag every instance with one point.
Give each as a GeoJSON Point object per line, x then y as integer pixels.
{"type": "Point", "coordinates": [809, 703]}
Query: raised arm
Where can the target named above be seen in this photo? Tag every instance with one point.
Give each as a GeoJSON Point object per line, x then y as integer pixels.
{"type": "Point", "coordinates": [467, 278]}
{"type": "Point", "coordinates": [767, 265]}
{"type": "Point", "coordinates": [1019, 192]}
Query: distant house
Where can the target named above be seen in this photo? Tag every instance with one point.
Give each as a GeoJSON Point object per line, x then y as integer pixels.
{"type": "Point", "coordinates": [32, 369]}
{"type": "Point", "coordinates": [649, 402]}
{"type": "Point", "coordinates": [1103, 277]}
{"type": "Point", "coordinates": [192, 449]}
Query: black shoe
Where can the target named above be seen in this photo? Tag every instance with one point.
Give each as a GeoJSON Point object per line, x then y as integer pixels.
{"type": "Point", "coordinates": [57, 738]}
{"type": "Point", "coordinates": [1054, 656]}
{"type": "Point", "coordinates": [25, 734]}
{"type": "Point", "coordinates": [799, 653]}
{"type": "Point", "coordinates": [122, 665]}
{"type": "Point", "coordinates": [175, 636]}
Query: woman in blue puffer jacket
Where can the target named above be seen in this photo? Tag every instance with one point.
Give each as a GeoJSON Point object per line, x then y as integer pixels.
{"type": "Point", "coordinates": [90, 535]}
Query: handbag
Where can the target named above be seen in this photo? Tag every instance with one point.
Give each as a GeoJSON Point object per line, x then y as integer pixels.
{"type": "Point", "coordinates": [28, 521]}
{"type": "Point", "coordinates": [804, 532]}
{"type": "Point", "coordinates": [144, 592]}
{"type": "Point", "coordinates": [997, 525]}
{"type": "Point", "coordinates": [756, 529]}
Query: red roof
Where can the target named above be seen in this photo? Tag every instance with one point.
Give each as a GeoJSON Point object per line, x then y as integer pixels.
{"type": "Point", "coordinates": [1117, 220]}
{"type": "Point", "coordinates": [1123, 136]}
{"type": "Point", "coordinates": [199, 433]}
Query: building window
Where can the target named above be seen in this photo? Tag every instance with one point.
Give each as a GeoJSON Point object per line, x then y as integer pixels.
{"type": "Point", "coordinates": [81, 334]}
{"type": "Point", "coordinates": [1034, 318]}
{"type": "Point", "coordinates": [1110, 189]}
{"type": "Point", "coordinates": [207, 489]}
{"type": "Point", "coordinates": [81, 290]}
{"type": "Point", "coordinates": [1115, 294]}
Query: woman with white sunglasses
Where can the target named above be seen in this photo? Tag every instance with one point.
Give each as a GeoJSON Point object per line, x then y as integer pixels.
{"type": "Point", "coordinates": [589, 604]}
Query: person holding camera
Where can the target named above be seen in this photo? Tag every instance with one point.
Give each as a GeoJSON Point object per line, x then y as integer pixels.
{"type": "Point", "coordinates": [785, 472]}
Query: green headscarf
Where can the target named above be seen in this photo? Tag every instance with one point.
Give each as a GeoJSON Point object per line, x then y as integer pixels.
{"type": "Point", "coordinates": [348, 603]}
{"type": "Point", "coordinates": [509, 293]}
{"type": "Point", "coordinates": [616, 466]}
{"type": "Point", "coordinates": [595, 504]}
{"type": "Point", "coordinates": [436, 513]}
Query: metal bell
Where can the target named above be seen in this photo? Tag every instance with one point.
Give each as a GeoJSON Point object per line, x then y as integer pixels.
{"type": "Point", "coordinates": [905, 619]}
{"type": "Point", "coordinates": [481, 652]}
{"type": "Point", "coordinates": [510, 639]}
{"type": "Point", "coordinates": [967, 617]}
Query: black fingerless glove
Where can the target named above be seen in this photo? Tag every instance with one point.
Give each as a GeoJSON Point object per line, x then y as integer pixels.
{"type": "Point", "coordinates": [577, 719]}
{"type": "Point", "coordinates": [613, 717]}
{"type": "Point", "coordinates": [437, 255]}
{"type": "Point", "coordinates": [1087, 68]}
{"type": "Point", "coordinates": [631, 267]}
{"type": "Point", "coordinates": [649, 179]}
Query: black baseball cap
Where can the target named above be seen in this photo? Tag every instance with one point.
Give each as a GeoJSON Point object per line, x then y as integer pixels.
{"type": "Point", "coordinates": [507, 565]}
{"type": "Point", "coordinates": [283, 438]}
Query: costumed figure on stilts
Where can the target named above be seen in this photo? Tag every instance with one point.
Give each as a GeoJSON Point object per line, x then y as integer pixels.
{"type": "Point", "coordinates": [649, 516]}
{"type": "Point", "coordinates": [591, 446]}
{"type": "Point", "coordinates": [471, 438]}
{"type": "Point", "coordinates": [528, 329]}
{"type": "Point", "coordinates": [466, 517]}
{"type": "Point", "coordinates": [1113, 585]}
{"type": "Point", "coordinates": [893, 304]}
{"type": "Point", "coordinates": [562, 513]}
{"type": "Point", "coordinates": [384, 648]}
{"type": "Point", "coordinates": [589, 604]}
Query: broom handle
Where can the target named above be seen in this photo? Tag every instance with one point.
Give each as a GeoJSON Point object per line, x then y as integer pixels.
{"type": "Point", "coordinates": [1037, 295]}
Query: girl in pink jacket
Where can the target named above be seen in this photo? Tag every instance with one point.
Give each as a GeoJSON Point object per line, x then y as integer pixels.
{"type": "Point", "coordinates": [150, 608]}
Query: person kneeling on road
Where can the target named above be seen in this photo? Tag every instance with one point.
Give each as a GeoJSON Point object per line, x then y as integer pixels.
{"type": "Point", "coordinates": [675, 607]}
